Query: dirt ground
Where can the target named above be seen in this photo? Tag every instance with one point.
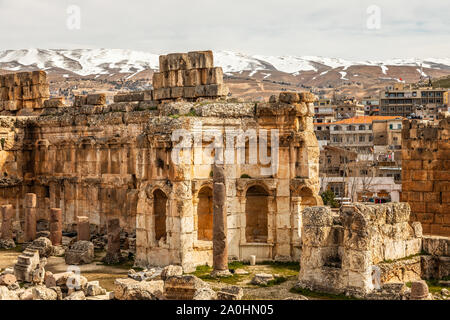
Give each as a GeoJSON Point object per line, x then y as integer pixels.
{"type": "Point", "coordinates": [107, 274]}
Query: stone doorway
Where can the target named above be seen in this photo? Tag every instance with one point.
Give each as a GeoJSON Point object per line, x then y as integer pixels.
{"type": "Point", "coordinates": [256, 213]}
{"type": "Point", "coordinates": [159, 212]}
{"type": "Point", "coordinates": [205, 214]}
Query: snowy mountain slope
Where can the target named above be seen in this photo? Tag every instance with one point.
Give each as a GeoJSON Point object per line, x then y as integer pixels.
{"type": "Point", "coordinates": [86, 62]}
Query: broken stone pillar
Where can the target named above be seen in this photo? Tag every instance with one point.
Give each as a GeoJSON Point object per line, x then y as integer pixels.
{"type": "Point", "coordinates": [83, 229]}
{"type": "Point", "coordinates": [7, 216]}
{"type": "Point", "coordinates": [419, 290]}
{"type": "Point", "coordinates": [56, 226]}
{"type": "Point", "coordinates": [30, 217]}
{"type": "Point", "coordinates": [220, 244]}
{"type": "Point", "coordinates": [113, 252]}
{"type": "Point", "coordinates": [6, 234]}
{"type": "Point", "coordinates": [26, 264]}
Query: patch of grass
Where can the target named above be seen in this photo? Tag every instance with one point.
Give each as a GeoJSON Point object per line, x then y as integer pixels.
{"type": "Point", "coordinates": [274, 282]}
{"type": "Point", "coordinates": [245, 176]}
{"type": "Point", "coordinates": [174, 116]}
{"type": "Point", "coordinates": [191, 113]}
{"type": "Point", "coordinates": [290, 268]}
{"type": "Point", "coordinates": [204, 273]}
{"type": "Point", "coordinates": [320, 295]}
{"type": "Point", "coordinates": [237, 265]}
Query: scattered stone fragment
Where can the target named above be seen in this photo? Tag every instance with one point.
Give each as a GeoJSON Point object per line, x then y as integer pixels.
{"type": "Point", "coordinates": [419, 290]}
{"type": "Point", "coordinates": [81, 252]}
{"type": "Point", "coordinates": [262, 279]}
{"type": "Point", "coordinates": [230, 293]}
{"type": "Point", "coordinates": [170, 271]}
{"type": "Point", "coordinates": [205, 294]}
{"type": "Point", "coordinates": [129, 289]}
{"type": "Point", "coordinates": [44, 293]}
{"type": "Point", "coordinates": [43, 245]}
{"type": "Point", "coordinates": [77, 295]}
{"type": "Point", "coordinates": [7, 279]}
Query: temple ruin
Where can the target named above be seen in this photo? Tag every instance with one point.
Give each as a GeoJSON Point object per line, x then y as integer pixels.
{"type": "Point", "coordinates": [98, 162]}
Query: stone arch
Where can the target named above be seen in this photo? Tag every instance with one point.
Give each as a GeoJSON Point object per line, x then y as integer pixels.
{"type": "Point", "coordinates": [308, 199]}
{"type": "Point", "coordinates": [256, 214]}
{"type": "Point", "coordinates": [205, 214]}
{"type": "Point", "coordinates": [160, 214]}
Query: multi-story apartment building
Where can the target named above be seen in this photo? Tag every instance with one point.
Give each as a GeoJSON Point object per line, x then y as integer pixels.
{"type": "Point", "coordinates": [324, 111]}
{"type": "Point", "coordinates": [348, 109]}
{"type": "Point", "coordinates": [371, 106]}
{"type": "Point", "coordinates": [404, 100]}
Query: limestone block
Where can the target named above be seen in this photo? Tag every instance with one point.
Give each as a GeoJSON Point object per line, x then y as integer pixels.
{"type": "Point", "coordinates": [189, 92]}
{"type": "Point", "coordinates": [289, 97]}
{"type": "Point", "coordinates": [158, 81]}
{"type": "Point", "coordinates": [129, 289]}
{"type": "Point", "coordinates": [200, 59]}
{"type": "Point", "coordinates": [394, 249]}
{"type": "Point", "coordinates": [192, 77]}
{"type": "Point", "coordinates": [81, 252]}
{"type": "Point", "coordinates": [176, 92]}
{"type": "Point", "coordinates": [211, 76]}
{"type": "Point", "coordinates": [96, 99]}
{"type": "Point", "coordinates": [161, 94]}
{"type": "Point", "coordinates": [317, 216]}
{"type": "Point", "coordinates": [54, 102]}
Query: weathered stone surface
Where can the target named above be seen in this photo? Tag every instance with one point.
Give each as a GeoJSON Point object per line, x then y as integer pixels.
{"type": "Point", "coordinates": [436, 245]}
{"type": "Point", "coordinates": [220, 230]}
{"type": "Point", "coordinates": [44, 293]}
{"type": "Point", "coordinates": [129, 289]}
{"type": "Point", "coordinates": [262, 278]}
{"type": "Point", "coordinates": [43, 246]}
{"type": "Point", "coordinates": [7, 217]}
{"type": "Point", "coordinates": [183, 287]}
{"type": "Point", "coordinates": [170, 271]}
{"type": "Point", "coordinates": [56, 226]}
{"type": "Point", "coordinates": [83, 228]}
{"type": "Point", "coordinates": [77, 295]}
{"type": "Point", "coordinates": [230, 293]}
{"type": "Point", "coordinates": [27, 262]}
{"type": "Point", "coordinates": [113, 254]}
{"type": "Point", "coordinates": [81, 252]}
{"type": "Point", "coordinates": [7, 279]}
{"type": "Point", "coordinates": [93, 289]}
{"type": "Point", "coordinates": [419, 290]}
{"type": "Point", "coordinates": [6, 294]}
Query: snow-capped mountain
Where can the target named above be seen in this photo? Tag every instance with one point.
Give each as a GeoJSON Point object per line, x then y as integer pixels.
{"type": "Point", "coordinates": [86, 62]}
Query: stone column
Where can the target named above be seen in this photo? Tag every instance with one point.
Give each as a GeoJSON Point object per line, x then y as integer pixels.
{"type": "Point", "coordinates": [220, 244]}
{"type": "Point", "coordinates": [113, 253]}
{"type": "Point", "coordinates": [83, 229]}
{"type": "Point", "coordinates": [7, 217]}
{"type": "Point", "coordinates": [56, 226]}
{"type": "Point", "coordinates": [30, 217]}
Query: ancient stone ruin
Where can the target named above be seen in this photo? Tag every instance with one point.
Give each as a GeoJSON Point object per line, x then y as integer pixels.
{"type": "Point", "coordinates": [365, 251]}
{"type": "Point", "coordinates": [115, 161]}
{"type": "Point", "coordinates": [426, 173]}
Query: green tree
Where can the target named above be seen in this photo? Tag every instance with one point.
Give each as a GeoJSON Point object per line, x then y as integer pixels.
{"type": "Point", "coordinates": [328, 199]}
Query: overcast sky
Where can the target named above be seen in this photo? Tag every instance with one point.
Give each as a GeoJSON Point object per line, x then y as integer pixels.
{"type": "Point", "coordinates": [331, 28]}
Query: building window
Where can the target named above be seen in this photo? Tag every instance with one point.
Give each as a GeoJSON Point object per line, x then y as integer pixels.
{"type": "Point", "coordinates": [362, 138]}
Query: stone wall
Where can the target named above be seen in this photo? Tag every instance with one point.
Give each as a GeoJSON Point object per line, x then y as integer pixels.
{"type": "Point", "coordinates": [24, 90]}
{"type": "Point", "coordinates": [340, 253]}
{"type": "Point", "coordinates": [426, 173]}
